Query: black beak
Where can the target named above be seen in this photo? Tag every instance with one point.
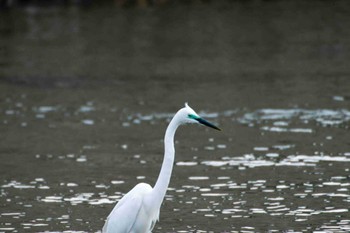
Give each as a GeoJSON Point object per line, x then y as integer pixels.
{"type": "Point", "coordinates": [204, 122]}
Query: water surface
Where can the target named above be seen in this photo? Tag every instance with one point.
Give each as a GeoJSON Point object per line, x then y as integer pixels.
{"type": "Point", "coordinates": [86, 95]}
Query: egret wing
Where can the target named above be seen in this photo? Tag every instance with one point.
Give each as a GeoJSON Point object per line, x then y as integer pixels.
{"type": "Point", "coordinates": [123, 219]}
{"type": "Point", "coordinates": [125, 214]}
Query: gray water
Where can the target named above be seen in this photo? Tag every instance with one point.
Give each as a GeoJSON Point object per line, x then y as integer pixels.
{"type": "Point", "coordinates": [86, 95]}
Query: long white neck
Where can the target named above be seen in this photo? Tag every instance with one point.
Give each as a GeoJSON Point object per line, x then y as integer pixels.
{"type": "Point", "coordinates": [163, 180]}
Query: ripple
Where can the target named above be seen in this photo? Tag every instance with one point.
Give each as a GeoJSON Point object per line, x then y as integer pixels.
{"type": "Point", "coordinates": [17, 185]}
{"type": "Point", "coordinates": [86, 108]}
{"type": "Point", "coordinates": [292, 130]}
{"type": "Point", "coordinates": [232, 211]}
{"type": "Point", "coordinates": [317, 158]}
{"type": "Point", "coordinates": [251, 161]}
{"type": "Point", "coordinates": [257, 211]}
{"type": "Point", "coordinates": [198, 178]}
{"type": "Point", "coordinates": [190, 163]}
{"type": "Point", "coordinates": [336, 211]}
{"type": "Point", "coordinates": [51, 199]}
{"type": "Point", "coordinates": [117, 182]}
{"type": "Point", "coordinates": [281, 118]}
{"type": "Point", "coordinates": [64, 232]}
{"type": "Point", "coordinates": [214, 194]}
{"type": "Point", "coordinates": [88, 122]}
{"type": "Point", "coordinates": [7, 229]}
{"type": "Point", "coordinates": [101, 201]}
{"type": "Point", "coordinates": [13, 214]}
{"type": "Point", "coordinates": [45, 109]}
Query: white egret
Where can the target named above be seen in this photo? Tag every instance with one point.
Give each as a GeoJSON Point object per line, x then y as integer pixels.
{"type": "Point", "coordinates": [138, 210]}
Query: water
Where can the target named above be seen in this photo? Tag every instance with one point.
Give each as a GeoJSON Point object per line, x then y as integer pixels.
{"type": "Point", "coordinates": [86, 95]}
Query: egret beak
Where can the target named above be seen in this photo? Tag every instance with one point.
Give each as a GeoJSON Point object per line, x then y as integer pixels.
{"type": "Point", "coordinates": [206, 123]}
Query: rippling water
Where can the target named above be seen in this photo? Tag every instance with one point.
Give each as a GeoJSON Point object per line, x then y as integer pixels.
{"type": "Point", "coordinates": [275, 179]}
{"type": "Point", "coordinates": [78, 131]}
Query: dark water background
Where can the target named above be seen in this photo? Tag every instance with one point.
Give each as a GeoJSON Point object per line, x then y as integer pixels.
{"type": "Point", "coordinates": [86, 94]}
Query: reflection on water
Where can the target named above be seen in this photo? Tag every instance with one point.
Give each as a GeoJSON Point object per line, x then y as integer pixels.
{"type": "Point", "coordinates": [86, 94]}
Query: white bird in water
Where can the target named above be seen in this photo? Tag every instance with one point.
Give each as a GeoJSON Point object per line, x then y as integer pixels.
{"type": "Point", "coordinates": [138, 210]}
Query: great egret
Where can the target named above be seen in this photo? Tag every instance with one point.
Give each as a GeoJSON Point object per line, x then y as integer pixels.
{"type": "Point", "coordinates": [138, 210]}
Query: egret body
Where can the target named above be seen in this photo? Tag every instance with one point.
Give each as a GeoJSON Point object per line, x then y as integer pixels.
{"type": "Point", "coordinates": [138, 210]}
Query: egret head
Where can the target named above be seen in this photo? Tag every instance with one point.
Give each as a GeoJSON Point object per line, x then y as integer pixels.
{"type": "Point", "coordinates": [188, 115]}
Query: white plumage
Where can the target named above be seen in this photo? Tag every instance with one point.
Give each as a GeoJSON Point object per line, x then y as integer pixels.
{"type": "Point", "coordinates": [138, 210]}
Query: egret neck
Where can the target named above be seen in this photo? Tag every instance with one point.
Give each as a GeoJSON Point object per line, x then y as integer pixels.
{"type": "Point", "coordinates": [163, 180]}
